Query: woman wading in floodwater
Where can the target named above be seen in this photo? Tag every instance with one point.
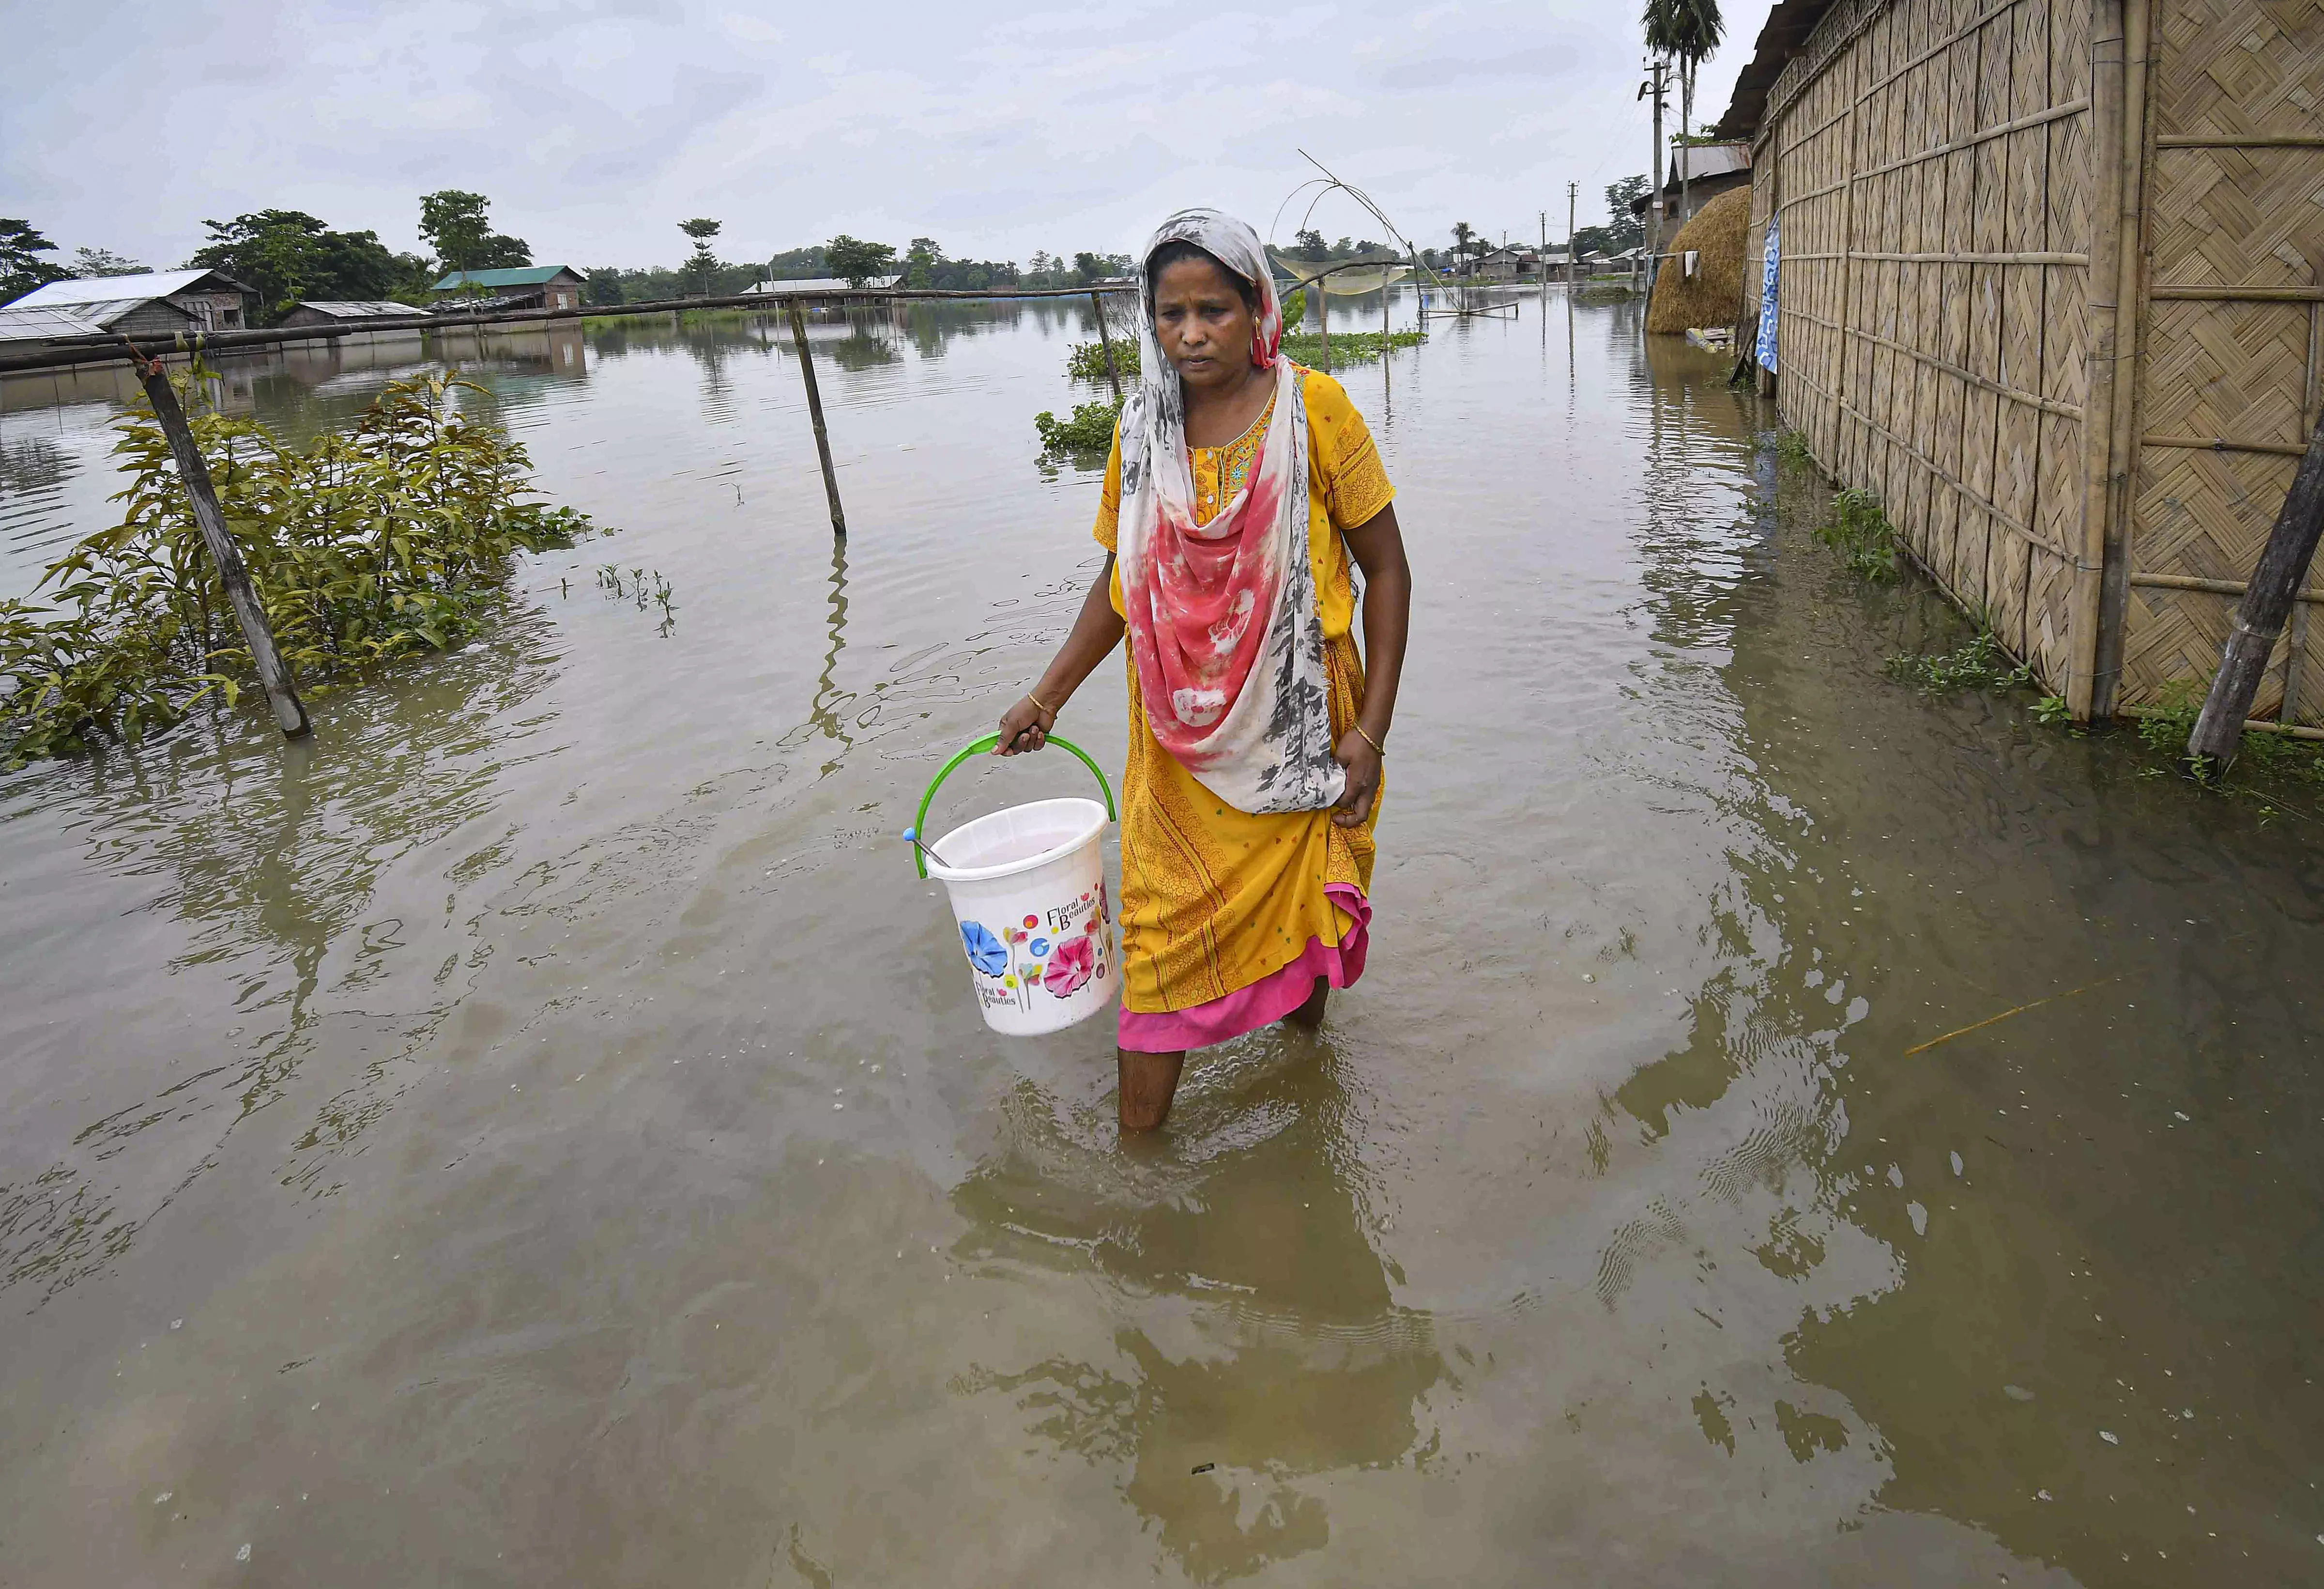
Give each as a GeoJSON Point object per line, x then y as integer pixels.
{"type": "Point", "coordinates": [1240, 488]}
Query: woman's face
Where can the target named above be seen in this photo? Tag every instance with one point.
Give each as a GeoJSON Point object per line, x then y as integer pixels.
{"type": "Point", "coordinates": [1203, 326]}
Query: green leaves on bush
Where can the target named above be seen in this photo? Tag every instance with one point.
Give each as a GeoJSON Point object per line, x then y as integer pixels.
{"type": "Point", "coordinates": [1085, 361]}
{"type": "Point", "coordinates": [392, 537]}
{"type": "Point", "coordinates": [1090, 431]}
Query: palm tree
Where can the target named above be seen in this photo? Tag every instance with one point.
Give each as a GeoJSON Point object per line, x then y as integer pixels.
{"type": "Point", "coordinates": [1688, 32]}
{"type": "Point", "coordinates": [1464, 239]}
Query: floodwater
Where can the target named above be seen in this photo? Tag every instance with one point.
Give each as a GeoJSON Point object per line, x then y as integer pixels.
{"type": "Point", "coordinates": [540, 1131]}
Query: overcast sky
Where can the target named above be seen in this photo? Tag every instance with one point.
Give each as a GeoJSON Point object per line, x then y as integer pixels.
{"type": "Point", "coordinates": [997, 130]}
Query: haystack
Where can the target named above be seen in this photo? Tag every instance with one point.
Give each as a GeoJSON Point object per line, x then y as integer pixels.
{"type": "Point", "coordinates": [1713, 295]}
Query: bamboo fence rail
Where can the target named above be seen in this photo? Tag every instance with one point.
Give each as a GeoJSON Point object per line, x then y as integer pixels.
{"type": "Point", "coordinates": [2052, 289]}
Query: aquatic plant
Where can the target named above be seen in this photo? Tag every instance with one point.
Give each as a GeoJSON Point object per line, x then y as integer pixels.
{"type": "Point", "coordinates": [393, 536]}
{"type": "Point", "coordinates": [1860, 533]}
{"type": "Point", "coordinates": [1981, 664]}
{"type": "Point", "coordinates": [1090, 430]}
{"type": "Point", "coordinates": [1348, 347]}
{"type": "Point", "coordinates": [1791, 447]}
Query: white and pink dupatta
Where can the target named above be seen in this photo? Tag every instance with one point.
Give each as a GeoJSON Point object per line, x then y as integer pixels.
{"type": "Point", "coordinates": [1224, 625]}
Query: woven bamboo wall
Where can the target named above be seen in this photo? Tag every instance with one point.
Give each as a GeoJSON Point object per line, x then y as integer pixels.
{"type": "Point", "coordinates": [1929, 161]}
{"type": "Point", "coordinates": [2231, 352]}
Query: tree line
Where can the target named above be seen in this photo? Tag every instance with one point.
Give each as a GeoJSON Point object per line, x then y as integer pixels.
{"type": "Point", "coordinates": [284, 256]}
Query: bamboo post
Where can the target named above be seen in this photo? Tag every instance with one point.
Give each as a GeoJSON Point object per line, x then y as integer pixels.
{"type": "Point", "coordinates": [1106, 339]}
{"type": "Point", "coordinates": [289, 716]}
{"type": "Point", "coordinates": [1384, 343]}
{"type": "Point", "coordinates": [815, 413]}
{"type": "Point", "coordinates": [2260, 615]}
{"type": "Point", "coordinates": [1323, 320]}
{"type": "Point", "coordinates": [2094, 668]}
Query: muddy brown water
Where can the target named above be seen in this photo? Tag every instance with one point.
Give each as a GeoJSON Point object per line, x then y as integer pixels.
{"type": "Point", "coordinates": [539, 1132]}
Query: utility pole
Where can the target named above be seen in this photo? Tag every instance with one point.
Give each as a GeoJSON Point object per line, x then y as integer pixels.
{"type": "Point", "coordinates": [1658, 78]}
{"type": "Point", "coordinates": [1572, 189]}
{"type": "Point", "coordinates": [1545, 252]}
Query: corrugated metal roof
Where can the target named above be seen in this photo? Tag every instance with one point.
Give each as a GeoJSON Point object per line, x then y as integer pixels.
{"type": "Point", "coordinates": [118, 289]}
{"type": "Point", "coordinates": [43, 324]}
{"type": "Point", "coordinates": [105, 314]}
{"type": "Point", "coordinates": [824, 285]}
{"type": "Point", "coordinates": [358, 308]}
{"type": "Point", "coordinates": [516, 276]}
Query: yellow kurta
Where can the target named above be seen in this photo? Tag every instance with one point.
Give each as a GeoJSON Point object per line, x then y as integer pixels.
{"type": "Point", "coordinates": [1215, 899]}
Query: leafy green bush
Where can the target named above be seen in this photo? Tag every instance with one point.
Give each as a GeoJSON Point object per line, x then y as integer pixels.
{"type": "Point", "coordinates": [1090, 428]}
{"type": "Point", "coordinates": [1085, 361]}
{"type": "Point", "coordinates": [391, 537]}
{"type": "Point", "coordinates": [1860, 533]}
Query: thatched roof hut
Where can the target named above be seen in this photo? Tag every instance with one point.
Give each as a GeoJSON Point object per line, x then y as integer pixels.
{"type": "Point", "coordinates": [1711, 293]}
{"type": "Point", "coordinates": [2052, 286]}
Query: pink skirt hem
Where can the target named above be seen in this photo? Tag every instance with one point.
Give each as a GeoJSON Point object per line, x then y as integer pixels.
{"type": "Point", "coordinates": [1269, 999]}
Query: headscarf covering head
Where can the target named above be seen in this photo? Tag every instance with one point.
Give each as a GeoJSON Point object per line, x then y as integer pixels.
{"type": "Point", "coordinates": [1234, 248]}
{"type": "Point", "coordinates": [1223, 619]}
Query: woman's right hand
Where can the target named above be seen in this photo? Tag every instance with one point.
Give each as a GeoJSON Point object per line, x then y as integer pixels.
{"type": "Point", "coordinates": [1024, 727]}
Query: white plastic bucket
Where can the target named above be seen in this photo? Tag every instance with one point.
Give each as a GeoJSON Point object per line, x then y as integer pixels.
{"type": "Point", "coordinates": [1027, 890]}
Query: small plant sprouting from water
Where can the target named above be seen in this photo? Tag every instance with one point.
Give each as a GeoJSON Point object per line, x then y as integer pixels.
{"type": "Point", "coordinates": [1860, 533]}
{"type": "Point", "coordinates": [1792, 447]}
{"type": "Point", "coordinates": [393, 536]}
{"type": "Point", "coordinates": [643, 587]}
{"type": "Point", "coordinates": [1982, 663]}
{"type": "Point", "coordinates": [1088, 431]}
{"type": "Point", "coordinates": [2053, 712]}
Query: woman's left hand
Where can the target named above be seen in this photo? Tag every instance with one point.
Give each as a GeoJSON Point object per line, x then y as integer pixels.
{"type": "Point", "coordinates": [1362, 764]}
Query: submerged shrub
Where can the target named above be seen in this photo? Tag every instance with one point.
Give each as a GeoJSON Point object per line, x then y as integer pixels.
{"type": "Point", "coordinates": [1085, 361]}
{"type": "Point", "coordinates": [1860, 533]}
{"type": "Point", "coordinates": [391, 537]}
{"type": "Point", "coordinates": [1090, 430]}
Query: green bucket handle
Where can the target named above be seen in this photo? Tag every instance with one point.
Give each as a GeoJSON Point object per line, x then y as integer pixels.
{"type": "Point", "coordinates": [978, 748]}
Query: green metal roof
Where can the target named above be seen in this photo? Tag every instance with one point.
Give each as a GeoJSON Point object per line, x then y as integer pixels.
{"type": "Point", "coordinates": [519, 276]}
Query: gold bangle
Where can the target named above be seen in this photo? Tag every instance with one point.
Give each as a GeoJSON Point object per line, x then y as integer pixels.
{"type": "Point", "coordinates": [1043, 705]}
{"type": "Point", "coordinates": [1378, 749]}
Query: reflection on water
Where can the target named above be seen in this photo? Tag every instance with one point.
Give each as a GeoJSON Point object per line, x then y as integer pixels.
{"type": "Point", "coordinates": [533, 1131]}
{"type": "Point", "coordinates": [1261, 1344]}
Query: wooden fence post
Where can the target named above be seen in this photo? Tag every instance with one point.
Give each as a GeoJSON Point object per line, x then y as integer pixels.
{"type": "Point", "coordinates": [1106, 339]}
{"type": "Point", "coordinates": [289, 716]}
{"type": "Point", "coordinates": [2259, 617]}
{"type": "Point", "coordinates": [815, 413]}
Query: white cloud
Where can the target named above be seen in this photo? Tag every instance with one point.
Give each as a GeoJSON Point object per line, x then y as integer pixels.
{"type": "Point", "coordinates": [596, 125]}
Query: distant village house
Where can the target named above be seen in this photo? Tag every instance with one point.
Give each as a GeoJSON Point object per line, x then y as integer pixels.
{"type": "Point", "coordinates": [330, 311]}
{"type": "Point", "coordinates": [157, 302]}
{"type": "Point", "coordinates": [518, 287]}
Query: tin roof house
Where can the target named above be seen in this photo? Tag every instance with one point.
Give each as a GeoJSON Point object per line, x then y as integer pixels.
{"type": "Point", "coordinates": [517, 287]}
{"type": "Point", "coordinates": [1708, 170]}
{"type": "Point", "coordinates": [333, 311]}
{"type": "Point", "coordinates": [155, 302]}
